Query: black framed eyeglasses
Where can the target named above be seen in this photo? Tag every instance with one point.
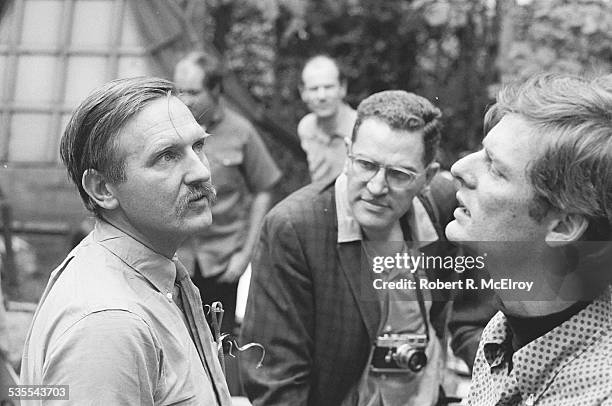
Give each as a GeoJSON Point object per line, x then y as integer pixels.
{"type": "Point", "coordinates": [395, 176]}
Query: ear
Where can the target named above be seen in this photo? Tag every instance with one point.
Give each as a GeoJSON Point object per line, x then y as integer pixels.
{"type": "Point", "coordinates": [343, 89]}
{"type": "Point", "coordinates": [347, 144]}
{"type": "Point", "coordinates": [565, 228]}
{"type": "Point", "coordinates": [215, 92]}
{"type": "Point", "coordinates": [303, 95]}
{"type": "Point", "coordinates": [99, 190]}
{"type": "Point", "coordinates": [431, 171]}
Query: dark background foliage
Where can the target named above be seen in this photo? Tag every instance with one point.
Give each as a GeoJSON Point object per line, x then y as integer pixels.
{"type": "Point", "coordinates": [454, 52]}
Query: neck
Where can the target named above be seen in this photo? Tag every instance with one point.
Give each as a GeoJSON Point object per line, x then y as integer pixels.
{"type": "Point", "coordinates": [329, 124]}
{"type": "Point", "coordinates": [527, 329]}
{"type": "Point", "coordinates": [554, 285]}
{"type": "Point", "coordinates": [393, 233]}
{"type": "Point", "coordinates": [535, 308]}
{"type": "Point", "coordinates": [163, 246]}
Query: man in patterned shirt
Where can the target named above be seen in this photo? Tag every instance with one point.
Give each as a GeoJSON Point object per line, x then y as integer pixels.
{"type": "Point", "coordinates": [542, 185]}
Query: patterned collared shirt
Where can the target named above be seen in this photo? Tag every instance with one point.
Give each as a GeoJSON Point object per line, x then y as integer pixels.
{"type": "Point", "coordinates": [569, 366]}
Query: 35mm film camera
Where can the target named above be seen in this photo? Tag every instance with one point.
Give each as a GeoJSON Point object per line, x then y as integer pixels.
{"type": "Point", "coordinates": [399, 353]}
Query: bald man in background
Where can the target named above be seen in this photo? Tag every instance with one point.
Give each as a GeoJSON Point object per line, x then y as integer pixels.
{"type": "Point", "coordinates": [322, 131]}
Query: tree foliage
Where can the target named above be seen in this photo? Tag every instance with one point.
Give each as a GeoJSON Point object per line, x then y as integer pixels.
{"type": "Point", "coordinates": [571, 36]}
{"type": "Point", "coordinates": [454, 52]}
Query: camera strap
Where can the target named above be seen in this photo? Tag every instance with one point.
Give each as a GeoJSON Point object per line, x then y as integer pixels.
{"type": "Point", "coordinates": [421, 305]}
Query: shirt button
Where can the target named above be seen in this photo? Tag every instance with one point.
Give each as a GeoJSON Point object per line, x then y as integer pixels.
{"type": "Point", "coordinates": [169, 296]}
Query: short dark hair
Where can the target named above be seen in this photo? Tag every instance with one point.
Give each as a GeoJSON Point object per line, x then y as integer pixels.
{"type": "Point", "coordinates": [213, 68]}
{"type": "Point", "coordinates": [90, 138]}
{"type": "Point", "coordinates": [574, 173]}
{"type": "Point", "coordinates": [402, 110]}
{"type": "Point", "coordinates": [339, 67]}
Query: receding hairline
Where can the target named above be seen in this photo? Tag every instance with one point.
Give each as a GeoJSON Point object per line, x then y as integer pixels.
{"type": "Point", "coordinates": [321, 60]}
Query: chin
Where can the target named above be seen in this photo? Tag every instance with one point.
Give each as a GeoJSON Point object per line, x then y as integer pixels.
{"type": "Point", "coordinates": [370, 222]}
{"type": "Point", "coordinates": [199, 223]}
{"type": "Point", "coordinates": [325, 113]}
{"type": "Point", "coordinates": [454, 232]}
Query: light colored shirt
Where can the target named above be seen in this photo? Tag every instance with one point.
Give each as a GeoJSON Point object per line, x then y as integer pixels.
{"type": "Point", "coordinates": [326, 153]}
{"type": "Point", "coordinates": [241, 166]}
{"type": "Point", "coordinates": [108, 326]}
{"type": "Point", "coordinates": [400, 311]}
{"type": "Point", "coordinates": [570, 365]}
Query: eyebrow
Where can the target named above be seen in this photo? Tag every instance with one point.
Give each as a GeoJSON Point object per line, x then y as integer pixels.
{"type": "Point", "coordinates": [165, 145]}
{"type": "Point", "coordinates": [408, 168]}
{"type": "Point", "coordinates": [500, 163]}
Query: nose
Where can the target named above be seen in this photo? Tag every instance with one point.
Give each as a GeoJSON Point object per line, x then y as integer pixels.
{"type": "Point", "coordinates": [321, 93]}
{"type": "Point", "coordinates": [197, 168]}
{"type": "Point", "coordinates": [462, 170]}
{"type": "Point", "coordinates": [377, 185]}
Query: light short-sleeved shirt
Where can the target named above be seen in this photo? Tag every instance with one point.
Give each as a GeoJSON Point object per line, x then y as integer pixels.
{"type": "Point", "coordinates": [108, 326]}
{"type": "Point", "coordinates": [571, 365]}
{"type": "Point", "coordinates": [241, 166]}
{"type": "Point", "coordinates": [326, 153]}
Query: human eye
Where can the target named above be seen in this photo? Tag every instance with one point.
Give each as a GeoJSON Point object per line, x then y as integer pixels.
{"type": "Point", "coordinates": [491, 165]}
{"type": "Point", "coordinates": [198, 146]}
{"type": "Point", "coordinates": [366, 165]}
{"type": "Point", "coordinates": [168, 155]}
{"type": "Point", "coordinates": [400, 175]}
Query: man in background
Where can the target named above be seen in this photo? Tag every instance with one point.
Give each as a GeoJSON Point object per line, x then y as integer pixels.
{"type": "Point", "coordinates": [538, 199]}
{"type": "Point", "coordinates": [244, 174]}
{"type": "Point", "coordinates": [330, 121]}
{"type": "Point", "coordinates": [119, 322]}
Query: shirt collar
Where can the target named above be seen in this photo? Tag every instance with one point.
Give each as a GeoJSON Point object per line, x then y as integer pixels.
{"type": "Point", "coordinates": [579, 332]}
{"type": "Point", "coordinates": [349, 230]}
{"type": "Point", "coordinates": [154, 267]}
{"type": "Point", "coordinates": [343, 127]}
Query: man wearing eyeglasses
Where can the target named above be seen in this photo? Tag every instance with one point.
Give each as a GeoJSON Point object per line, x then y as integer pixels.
{"type": "Point", "coordinates": [312, 303]}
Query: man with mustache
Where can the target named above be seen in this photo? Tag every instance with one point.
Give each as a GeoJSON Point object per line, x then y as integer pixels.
{"type": "Point", "coordinates": [244, 174]}
{"type": "Point", "coordinates": [322, 131]}
{"type": "Point", "coordinates": [119, 322]}
{"type": "Point", "coordinates": [312, 302]}
{"type": "Point", "coordinates": [538, 199]}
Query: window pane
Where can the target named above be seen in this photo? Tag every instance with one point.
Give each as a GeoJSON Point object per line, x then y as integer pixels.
{"type": "Point", "coordinates": [29, 138]}
{"type": "Point", "coordinates": [130, 37]}
{"type": "Point", "coordinates": [41, 22]}
{"type": "Point", "coordinates": [3, 84]}
{"type": "Point", "coordinates": [35, 79]}
{"type": "Point", "coordinates": [130, 66]}
{"type": "Point", "coordinates": [6, 23]}
{"type": "Point", "coordinates": [92, 23]}
{"type": "Point", "coordinates": [85, 73]}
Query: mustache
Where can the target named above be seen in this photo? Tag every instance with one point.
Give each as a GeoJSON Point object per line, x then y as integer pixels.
{"type": "Point", "coordinates": [196, 192]}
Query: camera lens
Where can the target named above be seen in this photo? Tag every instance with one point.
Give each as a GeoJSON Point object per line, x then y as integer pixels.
{"type": "Point", "coordinates": [408, 357]}
{"type": "Point", "coordinates": [417, 361]}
